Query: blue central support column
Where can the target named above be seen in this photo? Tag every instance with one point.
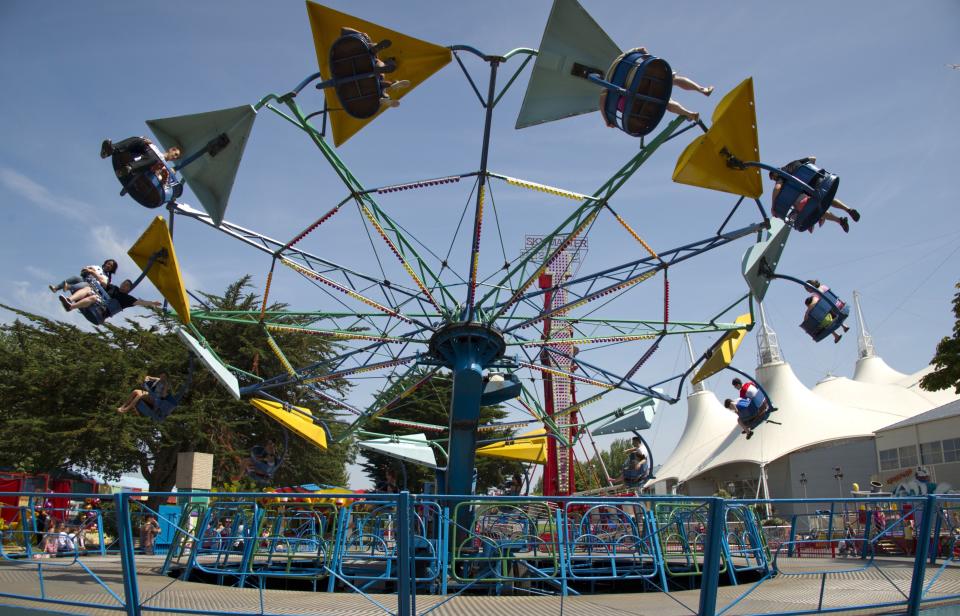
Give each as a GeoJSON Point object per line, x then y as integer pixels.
{"type": "Point", "coordinates": [466, 348]}
{"type": "Point", "coordinates": [464, 417]}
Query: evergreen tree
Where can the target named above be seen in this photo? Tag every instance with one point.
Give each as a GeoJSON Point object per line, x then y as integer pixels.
{"type": "Point", "coordinates": [947, 357]}
{"type": "Point", "coordinates": [589, 474]}
{"type": "Point", "coordinates": [60, 388]}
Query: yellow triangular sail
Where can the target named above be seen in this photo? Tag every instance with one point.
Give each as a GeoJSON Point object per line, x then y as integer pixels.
{"type": "Point", "coordinates": [530, 447]}
{"type": "Point", "coordinates": [734, 129]}
{"type": "Point", "coordinates": [165, 271]}
{"type": "Point", "coordinates": [723, 353]}
{"type": "Point", "coordinates": [297, 419]}
{"type": "Point", "coordinates": [416, 60]}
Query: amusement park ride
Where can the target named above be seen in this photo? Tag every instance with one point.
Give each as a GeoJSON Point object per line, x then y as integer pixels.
{"type": "Point", "coordinates": [490, 327]}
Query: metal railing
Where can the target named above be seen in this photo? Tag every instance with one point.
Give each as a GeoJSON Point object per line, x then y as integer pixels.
{"type": "Point", "coordinates": [706, 553]}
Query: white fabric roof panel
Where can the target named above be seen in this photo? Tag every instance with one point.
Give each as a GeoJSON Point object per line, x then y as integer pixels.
{"type": "Point", "coordinates": [875, 370]}
{"type": "Point", "coordinates": [708, 423]}
{"type": "Point", "coordinates": [891, 398]}
{"type": "Point", "coordinates": [808, 419]}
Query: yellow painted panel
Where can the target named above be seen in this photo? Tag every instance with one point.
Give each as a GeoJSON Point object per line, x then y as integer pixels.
{"type": "Point", "coordinates": [165, 272]}
{"type": "Point", "coordinates": [723, 353]}
{"type": "Point", "coordinates": [734, 128]}
{"type": "Point", "coordinates": [532, 450]}
{"type": "Point", "coordinates": [416, 61]}
{"type": "Point", "coordinates": [297, 420]}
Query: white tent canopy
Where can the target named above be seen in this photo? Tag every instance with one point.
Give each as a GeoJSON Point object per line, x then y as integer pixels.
{"type": "Point", "coordinates": [708, 424]}
{"type": "Point", "coordinates": [836, 408]}
{"type": "Point", "coordinates": [807, 417]}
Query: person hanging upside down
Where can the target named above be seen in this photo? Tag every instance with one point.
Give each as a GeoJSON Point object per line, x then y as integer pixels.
{"type": "Point", "coordinates": [386, 86]}
{"type": "Point", "coordinates": [827, 320]}
{"type": "Point", "coordinates": [160, 169]}
{"type": "Point", "coordinates": [684, 83]}
{"type": "Point", "coordinates": [803, 199]}
{"type": "Point", "coordinates": [86, 296]}
{"type": "Point", "coordinates": [156, 391]}
{"type": "Point", "coordinates": [145, 155]}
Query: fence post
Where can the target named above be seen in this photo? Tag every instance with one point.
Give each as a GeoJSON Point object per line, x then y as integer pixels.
{"type": "Point", "coordinates": [936, 538]}
{"type": "Point", "coordinates": [403, 554]}
{"type": "Point", "coordinates": [866, 546]}
{"type": "Point", "coordinates": [103, 543]}
{"type": "Point", "coordinates": [920, 558]}
{"type": "Point", "coordinates": [131, 591]}
{"type": "Point", "coordinates": [711, 558]}
{"type": "Point", "coordinates": [793, 535]}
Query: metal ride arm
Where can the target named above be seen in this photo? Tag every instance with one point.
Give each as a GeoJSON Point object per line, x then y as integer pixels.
{"type": "Point", "coordinates": [578, 220]}
{"type": "Point", "coordinates": [736, 163]}
{"type": "Point", "coordinates": [271, 246]}
{"type": "Point", "coordinates": [631, 273]}
{"type": "Point", "coordinates": [706, 354]}
{"type": "Point", "coordinates": [489, 103]}
{"type": "Point", "coordinates": [766, 271]}
{"type": "Point", "coordinates": [160, 254]}
{"type": "Point", "coordinates": [403, 247]}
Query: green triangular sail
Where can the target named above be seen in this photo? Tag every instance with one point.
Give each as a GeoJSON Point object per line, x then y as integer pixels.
{"type": "Point", "coordinates": [571, 36]}
{"type": "Point", "coordinates": [768, 251]}
{"type": "Point", "coordinates": [635, 419]}
{"type": "Point", "coordinates": [209, 177]}
{"type": "Point", "coordinates": [214, 365]}
{"type": "Point", "coordinates": [412, 447]}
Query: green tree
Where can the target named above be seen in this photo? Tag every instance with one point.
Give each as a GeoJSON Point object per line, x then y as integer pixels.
{"type": "Point", "coordinates": [947, 357]}
{"type": "Point", "coordinates": [430, 404]}
{"type": "Point", "coordinates": [589, 473]}
{"type": "Point", "coordinates": [60, 388]}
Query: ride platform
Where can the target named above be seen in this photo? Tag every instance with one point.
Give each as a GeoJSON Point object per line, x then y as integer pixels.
{"type": "Point", "coordinates": [889, 580]}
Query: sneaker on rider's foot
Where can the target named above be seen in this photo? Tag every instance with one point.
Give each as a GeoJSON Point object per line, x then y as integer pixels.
{"type": "Point", "coordinates": [397, 85]}
{"type": "Point", "coordinates": [106, 148]}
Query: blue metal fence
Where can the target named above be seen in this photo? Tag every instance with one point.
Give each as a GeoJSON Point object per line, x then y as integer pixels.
{"type": "Point", "coordinates": [414, 545]}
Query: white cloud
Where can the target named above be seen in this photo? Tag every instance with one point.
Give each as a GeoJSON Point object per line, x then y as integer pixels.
{"type": "Point", "coordinates": [44, 275]}
{"type": "Point", "coordinates": [40, 196]}
{"type": "Point", "coordinates": [27, 297]}
{"type": "Point", "coordinates": [109, 245]}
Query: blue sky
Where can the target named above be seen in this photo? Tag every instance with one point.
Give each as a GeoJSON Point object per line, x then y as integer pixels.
{"type": "Point", "coordinates": [862, 85]}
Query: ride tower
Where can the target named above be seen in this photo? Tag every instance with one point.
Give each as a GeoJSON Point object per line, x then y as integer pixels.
{"type": "Point", "coordinates": [559, 389]}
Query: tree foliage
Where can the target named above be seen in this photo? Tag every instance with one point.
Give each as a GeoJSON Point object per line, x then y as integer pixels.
{"type": "Point", "coordinates": [947, 357]}
{"type": "Point", "coordinates": [430, 404]}
{"type": "Point", "coordinates": [60, 388]}
{"type": "Point", "coordinates": [589, 474]}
